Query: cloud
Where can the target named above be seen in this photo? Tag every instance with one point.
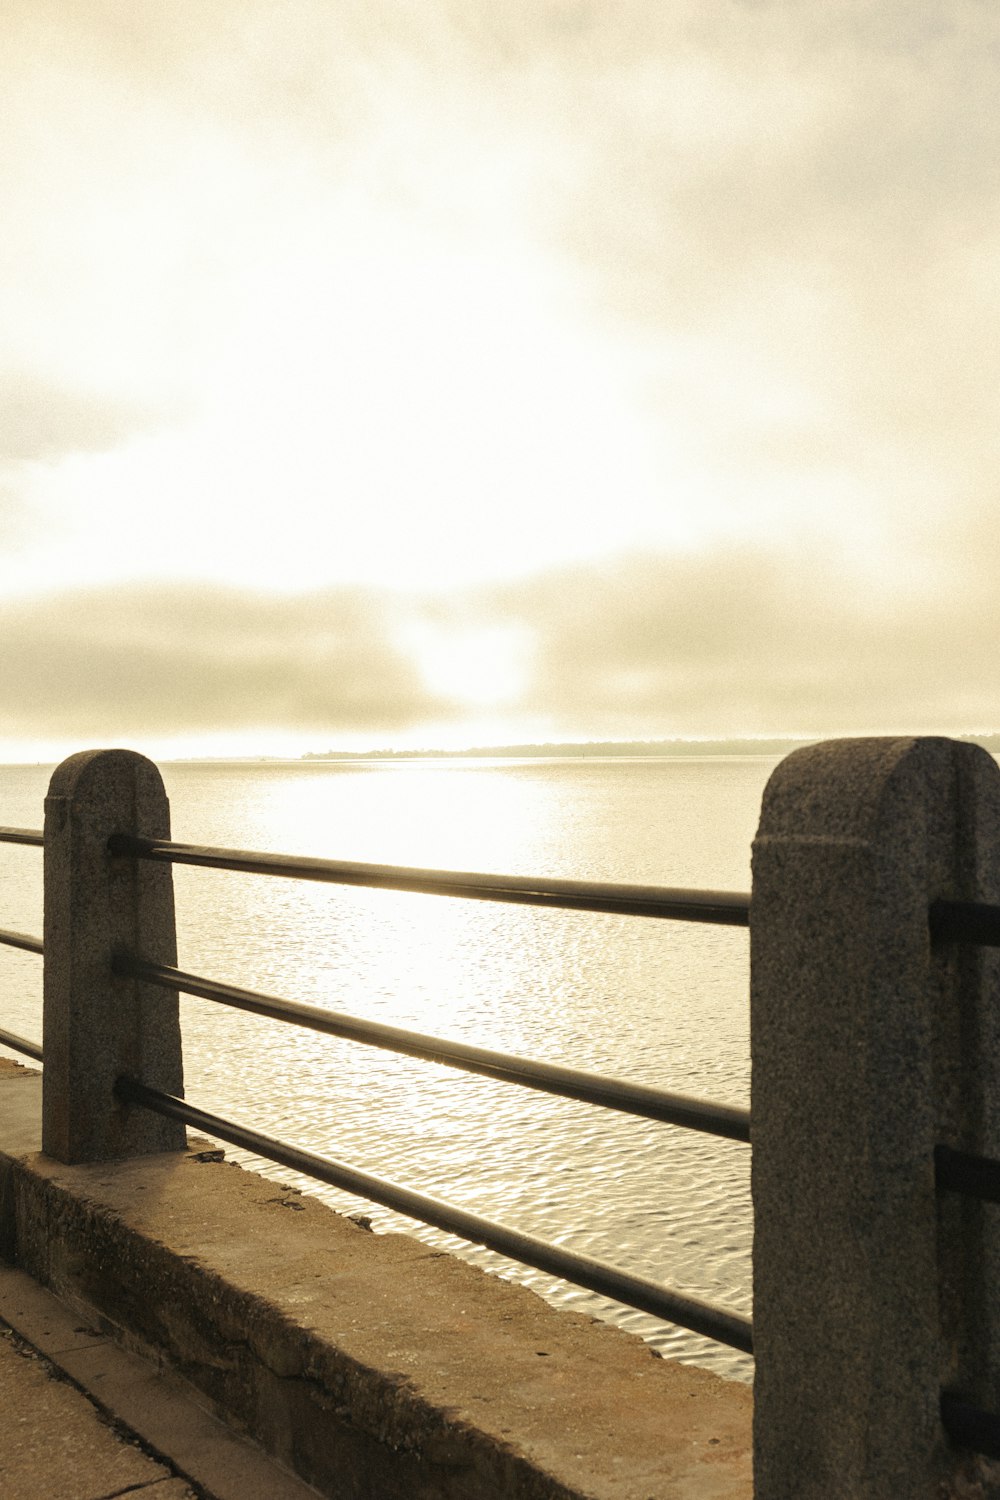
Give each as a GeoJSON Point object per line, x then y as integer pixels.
{"type": "Point", "coordinates": [17, 519]}
{"type": "Point", "coordinates": [757, 642]}
{"type": "Point", "coordinates": [123, 662]}
{"type": "Point", "coordinates": [790, 210]}
{"type": "Point", "coordinates": [795, 207]}
{"type": "Point", "coordinates": [724, 643]}
{"type": "Point", "coordinates": [44, 420]}
{"type": "Point", "coordinates": [771, 227]}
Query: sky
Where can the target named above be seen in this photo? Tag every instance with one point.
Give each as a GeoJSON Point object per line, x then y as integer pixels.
{"type": "Point", "coordinates": [426, 373]}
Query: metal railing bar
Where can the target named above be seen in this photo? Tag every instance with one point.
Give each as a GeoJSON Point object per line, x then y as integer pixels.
{"type": "Point", "coordinates": [582, 1270]}
{"type": "Point", "coordinates": [726, 908]}
{"type": "Point", "coordinates": [724, 1120]}
{"type": "Point", "coordinates": [20, 1044]}
{"type": "Point", "coordinates": [968, 1426]}
{"type": "Point", "coordinates": [22, 836]}
{"type": "Point", "coordinates": [965, 922]}
{"type": "Point", "coordinates": [963, 1172]}
{"type": "Point", "coordinates": [20, 940]}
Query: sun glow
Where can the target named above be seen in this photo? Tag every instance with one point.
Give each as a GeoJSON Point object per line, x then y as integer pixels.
{"type": "Point", "coordinates": [478, 667]}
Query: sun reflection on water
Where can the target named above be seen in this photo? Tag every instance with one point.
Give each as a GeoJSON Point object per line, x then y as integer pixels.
{"type": "Point", "coordinates": [656, 1002]}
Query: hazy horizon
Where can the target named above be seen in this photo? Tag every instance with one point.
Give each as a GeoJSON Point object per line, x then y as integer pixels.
{"type": "Point", "coordinates": [759, 747]}
{"type": "Point", "coordinates": [559, 370]}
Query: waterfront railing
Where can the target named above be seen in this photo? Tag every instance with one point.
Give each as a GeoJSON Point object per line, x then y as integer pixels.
{"type": "Point", "coordinates": [875, 1029]}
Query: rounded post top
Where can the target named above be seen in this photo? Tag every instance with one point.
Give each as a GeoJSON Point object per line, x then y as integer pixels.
{"type": "Point", "coordinates": [87, 768]}
{"type": "Point", "coordinates": [841, 788]}
{"type": "Point", "coordinates": [108, 791]}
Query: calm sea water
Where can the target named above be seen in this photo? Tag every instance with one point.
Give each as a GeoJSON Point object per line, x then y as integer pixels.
{"type": "Point", "coordinates": [662, 1003]}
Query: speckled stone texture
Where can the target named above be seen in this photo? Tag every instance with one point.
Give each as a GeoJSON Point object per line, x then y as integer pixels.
{"type": "Point", "coordinates": [95, 1025]}
{"type": "Point", "coordinates": [871, 1292]}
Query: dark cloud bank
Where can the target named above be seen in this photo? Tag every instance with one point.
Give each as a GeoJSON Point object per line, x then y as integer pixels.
{"type": "Point", "coordinates": [646, 647]}
{"type": "Point", "coordinates": [173, 659]}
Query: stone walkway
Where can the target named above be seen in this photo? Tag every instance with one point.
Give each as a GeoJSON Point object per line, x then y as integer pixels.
{"type": "Point", "coordinates": [54, 1444]}
{"type": "Point", "coordinates": [82, 1419]}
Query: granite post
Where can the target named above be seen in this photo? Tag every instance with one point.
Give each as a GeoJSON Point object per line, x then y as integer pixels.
{"type": "Point", "coordinates": [97, 1026]}
{"type": "Point", "coordinates": [872, 1292]}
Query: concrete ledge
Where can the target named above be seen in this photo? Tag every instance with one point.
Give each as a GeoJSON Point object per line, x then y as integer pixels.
{"type": "Point", "coordinates": [371, 1365]}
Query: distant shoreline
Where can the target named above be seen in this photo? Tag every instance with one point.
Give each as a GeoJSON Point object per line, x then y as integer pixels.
{"type": "Point", "coordinates": [556, 750]}
{"type": "Point", "coordinates": [605, 749]}
{"type": "Point", "coordinates": [573, 750]}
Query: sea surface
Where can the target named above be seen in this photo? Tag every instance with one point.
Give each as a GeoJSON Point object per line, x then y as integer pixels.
{"type": "Point", "coordinates": [661, 1003]}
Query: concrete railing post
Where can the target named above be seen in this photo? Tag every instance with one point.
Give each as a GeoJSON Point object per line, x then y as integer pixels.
{"type": "Point", "coordinates": [97, 1026]}
{"type": "Point", "coordinates": [872, 1292]}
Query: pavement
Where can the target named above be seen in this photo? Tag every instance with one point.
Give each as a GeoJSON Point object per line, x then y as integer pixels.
{"type": "Point", "coordinates": [373, 1363]}
{"type": "Point", "coordinates": [83, 1419]}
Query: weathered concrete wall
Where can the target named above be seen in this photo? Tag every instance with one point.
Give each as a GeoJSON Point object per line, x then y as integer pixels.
{"type": "Point", "coordinates": [370, 1364]}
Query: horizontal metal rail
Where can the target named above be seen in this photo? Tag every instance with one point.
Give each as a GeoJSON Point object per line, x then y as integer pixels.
{"type": "Point", "coordinates": [20, 1044]}
{"type": "Point", "coordinates": [950, 921]}
{"type": "Point", "coordinates": [582, 1270]}
{"type": "Point", "coordinates": [22, 836]}
{"type": "Point", "coordinates": [965, 922]}
{"type": "Point", "coordinates": [963, 1172]}
{"type": "Point", "coordinates": [726, 908]}
{"type": "Point", "coordinates": [20, 940]}
{"type": "Point", "coordinates": [570, 1083]}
